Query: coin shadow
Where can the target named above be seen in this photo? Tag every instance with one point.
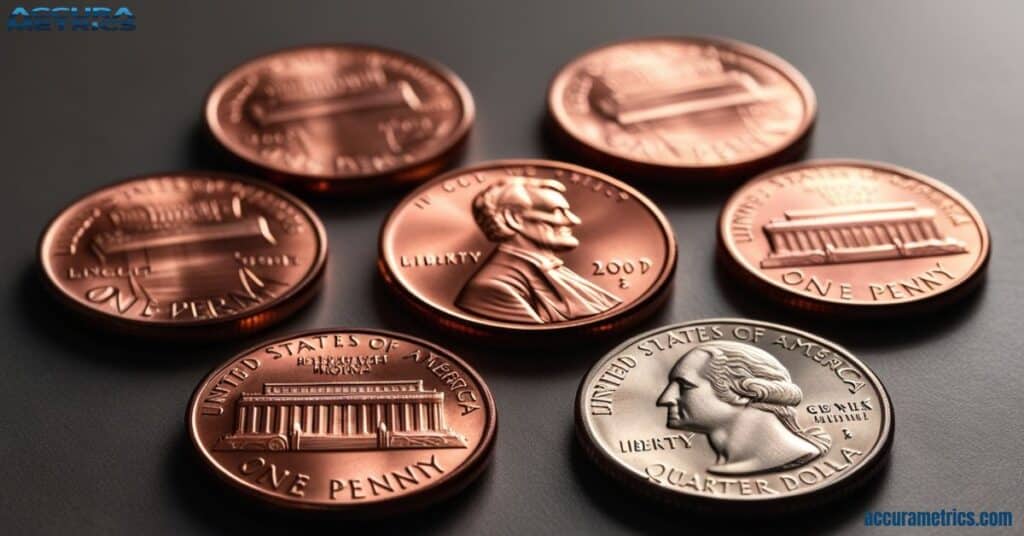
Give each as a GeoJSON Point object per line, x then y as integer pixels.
{"type": "Point", "coordinates": [203, 152]}
{"type": "Point", "coordinates": [636, 513]}
{"type": "Point", "coordinates": [91, 339]}
{"type": "Point", "coordinates": [552, 146]}
{"type": "Point", "coordinates": [352, 208]}
{"type": "Point", "coordinates": [666, 190]}
{"type": "Point", "coordinates": [515, 356]}
{"type": "Point", "coordinates": [52, 322]}
{"type": "Point", "coordinates": [866, 332]}
{"type": "Point", "coordinates": [212, 502]}
{"type": "Point", "coordinates": [394, 314]}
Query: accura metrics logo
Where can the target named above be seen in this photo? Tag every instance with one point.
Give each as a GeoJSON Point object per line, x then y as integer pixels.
{"type": "Point", "coordinates": [71, 18]}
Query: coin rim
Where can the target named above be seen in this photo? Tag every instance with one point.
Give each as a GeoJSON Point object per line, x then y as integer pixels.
{"type": "Point", "coordinates": [471, 468]}
{"type": "Point", "coordinates": [965, 283]}
{"type": "Point", "coordinates": [216, 93]}
{"type": "Point", "coordinates": [557, 111]}
{"type": "Point", "coordinates": [620, 470]}
{"type": "Point", "coordinates": [298, 291]}
{"type": "Point", "coordinates": [609, 318]}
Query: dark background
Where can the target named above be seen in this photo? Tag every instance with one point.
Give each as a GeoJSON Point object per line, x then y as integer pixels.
{"type": "Point", "coordinates": [93, 423]}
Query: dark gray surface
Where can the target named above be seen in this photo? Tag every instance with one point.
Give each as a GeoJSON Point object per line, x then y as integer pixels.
{"type": "Point", "coordinates": [93, 424]}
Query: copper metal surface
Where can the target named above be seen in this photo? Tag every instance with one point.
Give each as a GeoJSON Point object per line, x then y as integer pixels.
{"type": "Point", "coordinates": [329, 117]}
{"type": "Point", "coordinates": [185, 253]}
{"type": "Point", "coordinates": [681, 107]}
{"type": "Point", "coordinates": [518, 246]}
{"type": "Point", "coordinates": [853, 236]}
{"type": "Point", "coordinates": [354, 420]}
{"type": "Point", "coordinates": [734, 414]}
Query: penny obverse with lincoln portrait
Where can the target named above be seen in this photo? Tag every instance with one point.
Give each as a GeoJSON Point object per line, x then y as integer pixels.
{"type": "Point", "coordinates": [528, 245]}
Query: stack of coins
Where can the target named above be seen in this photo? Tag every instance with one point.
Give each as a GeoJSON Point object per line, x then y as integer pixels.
{"type": "Point", "coordinates": [728, 415]}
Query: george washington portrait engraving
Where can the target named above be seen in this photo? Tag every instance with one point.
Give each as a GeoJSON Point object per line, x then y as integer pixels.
{"type": "Point", "coordinates": [743, 400]}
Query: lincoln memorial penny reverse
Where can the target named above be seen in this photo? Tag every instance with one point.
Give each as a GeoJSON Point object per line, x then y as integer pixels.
{"type": "Point", "coordinates": [853, 237]}
{"type": "Point", "coordinates": [332, 117]}
{"type": "Point", "coordinates": [360, 421]}
{"type": "Point", "coordinates": [186, 253]}
{"type": "Point", "coordinates": [677, 108]}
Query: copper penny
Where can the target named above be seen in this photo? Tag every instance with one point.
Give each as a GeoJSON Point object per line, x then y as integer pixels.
{"type": "Point", "coordinates": [734, 414]}
{"type": "Point", "coordinates": [516, 246]}
{"type": "Point", "coordinates": [185, 253]}
{"type": "Point", "coordinates": [682, 106]}
{"type": "Point", "coordinates": [356, 420]}
{"type": "Point", "coordinates": [854, 236]}
{"type": "Point", "coordinates": [330, 116]}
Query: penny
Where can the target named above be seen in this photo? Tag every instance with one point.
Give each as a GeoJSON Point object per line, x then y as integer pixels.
{"type": "Point", "coordinates": [187, 253]}
{"type": "Point", "coordinates": [515, 246]}
{"type": "Point", "coordinates": [853, 236]}
{"type": "Point", "coordinates": [333, 116]}
{"type": "Point", "coordinates": [683, 107]}
{"type": "Point", "coordinates": [352, 420]}
{"type": "Point", "coordinates": [734, 414]}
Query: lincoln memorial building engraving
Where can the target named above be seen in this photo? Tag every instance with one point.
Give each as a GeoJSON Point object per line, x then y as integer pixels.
{"type": "Point", "coordinates": [358, 415]}
{"type": "Point", "coordinates": [856, 233]}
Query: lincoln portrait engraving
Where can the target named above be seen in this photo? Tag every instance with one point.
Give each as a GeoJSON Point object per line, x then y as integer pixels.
{"type": "Point", "coordinates": [744, 401]}
{"type": "Point", "coordinates": [523, 280]}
